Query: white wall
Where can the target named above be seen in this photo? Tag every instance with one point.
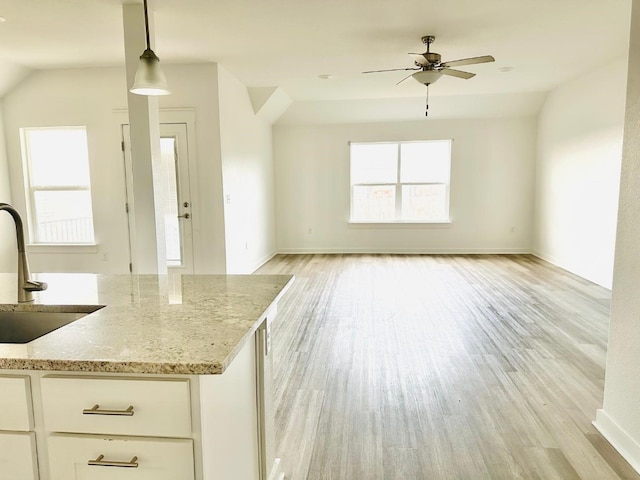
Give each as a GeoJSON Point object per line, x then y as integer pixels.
{"type": "Point", "coordinates": [8, 255]}
{"type": "Point", "coordinates": [247, 169]}
{"type": "Point", "coordinates": [91, 97]}
{"type": "Point", "coordinates": [578, 171]}
{"type": "Point", "coordinates": [74, 97]}
{"type": "Point", "coordinates": [619, 419]}
{"type": "Point", "coordinates": [491, 187]}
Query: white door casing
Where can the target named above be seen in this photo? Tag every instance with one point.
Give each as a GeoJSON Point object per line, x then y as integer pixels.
{"type": "Point", "coordinates": [179, 213]}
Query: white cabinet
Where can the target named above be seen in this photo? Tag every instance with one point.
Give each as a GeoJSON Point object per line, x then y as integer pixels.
{"type": "Point", "coordinates": [18, 459]}
{"type": "Point", "coordinates": [80, 457]}
{"type": "Point", "coordinates": [92, 409]}
{"type": "Point", "coordinates": [91, 426]}
{"type": "Point", "coordinates": [15, 403]}
{"type": "Point", "coordinates": [117, 405]}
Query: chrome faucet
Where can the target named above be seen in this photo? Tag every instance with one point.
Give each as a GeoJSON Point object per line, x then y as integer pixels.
{"type": "Point", "coordinates": [25, 285]}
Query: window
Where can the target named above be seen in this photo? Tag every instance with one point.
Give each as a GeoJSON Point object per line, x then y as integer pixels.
{"type": "Point", "coordinates": [56, 162]}
{"type": "Point", "coordinates": [400, 182]}
{"type": "Point", "coordinates": [172, 225]}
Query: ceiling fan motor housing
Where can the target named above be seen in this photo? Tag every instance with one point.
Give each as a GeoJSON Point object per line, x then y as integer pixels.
{"type": "Point", "coordinates": [432, 57]}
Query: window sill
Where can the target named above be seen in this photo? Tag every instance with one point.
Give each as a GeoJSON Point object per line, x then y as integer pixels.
{"type": "Point", "coordinates": [62, 248]}
{"type": "Point", "coordinates": [399, 224]}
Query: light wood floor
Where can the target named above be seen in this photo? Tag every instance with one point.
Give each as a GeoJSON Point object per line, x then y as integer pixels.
{"type": "Point", "coordinates": [439, 367]}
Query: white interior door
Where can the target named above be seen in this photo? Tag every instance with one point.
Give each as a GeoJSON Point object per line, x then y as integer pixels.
{"type": "Point", "coordinates": [178, 215]}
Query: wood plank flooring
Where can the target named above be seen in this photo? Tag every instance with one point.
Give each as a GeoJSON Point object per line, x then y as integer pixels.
{"type": "Point", "coordinates": [439, 367]}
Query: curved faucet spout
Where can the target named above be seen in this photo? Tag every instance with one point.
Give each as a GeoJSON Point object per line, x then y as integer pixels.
{"type": "Point", "coordinates": [25, 284]}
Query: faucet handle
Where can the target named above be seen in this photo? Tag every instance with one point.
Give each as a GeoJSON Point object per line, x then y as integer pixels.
{"type": "Point", "coordinates": [34, 286]}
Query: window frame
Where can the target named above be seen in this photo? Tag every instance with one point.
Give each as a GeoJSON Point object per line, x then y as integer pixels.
{"type": "Point", "coordinates": [398, 186]}
{"type": "Point", "coordinates": [30, 190]}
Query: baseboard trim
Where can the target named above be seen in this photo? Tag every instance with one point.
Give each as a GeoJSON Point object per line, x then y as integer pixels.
{"type": "Point", "coordinates": [546, 258]}
{"type": "Point", "coordinates": [262, 261]}
{"type": "Point", "coordinates": [618, 438]}
{"type": "Point", "coordinates": [276, 470]}
{"type": "Point", "coordinates": [554, 261]}
{"type": "Point", "coordinates": [407, 251]}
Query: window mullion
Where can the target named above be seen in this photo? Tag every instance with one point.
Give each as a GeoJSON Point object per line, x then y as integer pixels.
{"type": "Point", "coordinates": [60, 188]}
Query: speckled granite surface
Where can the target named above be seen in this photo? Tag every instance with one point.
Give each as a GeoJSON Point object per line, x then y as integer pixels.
{"type": "Point", "coordinates": [191, 324]}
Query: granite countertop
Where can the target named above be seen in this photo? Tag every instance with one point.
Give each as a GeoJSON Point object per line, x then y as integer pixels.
{"type": "Point", "coordinates": [189, 324]}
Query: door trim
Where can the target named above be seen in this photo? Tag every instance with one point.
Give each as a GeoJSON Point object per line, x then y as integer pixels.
{"type": "Point", "coordinates": [171, 116]}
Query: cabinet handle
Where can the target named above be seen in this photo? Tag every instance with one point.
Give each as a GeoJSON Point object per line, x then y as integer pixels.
{"type": "Point", "coordinates": [96, 410]}
{"type": "Point", "coordinates": [99, 462]}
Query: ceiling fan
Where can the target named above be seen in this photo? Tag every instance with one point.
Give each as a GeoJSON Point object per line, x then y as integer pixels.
{"type": "Point", "coordinates": [429, 68]}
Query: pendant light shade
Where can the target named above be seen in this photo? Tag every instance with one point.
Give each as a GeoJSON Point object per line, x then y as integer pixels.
{"type": "Point", "coordinates": [149, 79]}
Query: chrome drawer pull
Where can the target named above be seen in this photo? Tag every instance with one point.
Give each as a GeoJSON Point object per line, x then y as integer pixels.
{"type": "Point", "coordinates": [99, 462]}
{"type": "Point", "coordinates": [96, 410]}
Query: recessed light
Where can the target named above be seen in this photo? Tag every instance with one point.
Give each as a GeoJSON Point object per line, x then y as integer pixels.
{"type": "Point", "coordinates": [325, 76]}
{"type": "Point", "coordinates": [505, 69]}
{"type": "Point", "coordinates": [2, 19]}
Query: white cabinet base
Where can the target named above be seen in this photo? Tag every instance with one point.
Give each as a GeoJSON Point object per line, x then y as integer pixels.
{"type": "Point", "coordinates": [18, 456]}
{"type": "Point", "coordinates": [155, 459]}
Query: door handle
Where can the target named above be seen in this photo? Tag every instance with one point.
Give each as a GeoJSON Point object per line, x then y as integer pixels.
{"type": "Point", "coordinates": [186, 215]}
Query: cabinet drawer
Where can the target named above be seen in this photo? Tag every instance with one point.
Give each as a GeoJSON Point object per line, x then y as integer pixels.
{"type": "Point", "coordinates": [117, 405]}
{"type": "Point", "coordinates": [155, 459]}
{"type": "Point", "coordinates": [15, 403]}
{"type": "Point", "coordinates": [18, 456]}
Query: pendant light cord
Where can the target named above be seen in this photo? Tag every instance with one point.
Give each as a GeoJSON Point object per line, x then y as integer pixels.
{"type": "Point", "coordinates": [146, 25]}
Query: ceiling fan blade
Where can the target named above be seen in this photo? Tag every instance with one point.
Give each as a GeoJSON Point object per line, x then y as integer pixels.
{"type": "Point", "coordinates": [457, 73]}
{"type": "Point", "coordinates": [469, 61]}
{"type": "Point", "coordinates": [420, 58]}
{"type": "Point", "coordinates": [410, 75]}
{"type": "Point", "coordinates": [393, 70]}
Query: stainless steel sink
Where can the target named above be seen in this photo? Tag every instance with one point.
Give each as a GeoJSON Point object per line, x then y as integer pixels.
{"type": "Point", "coordinates": [23, 326]}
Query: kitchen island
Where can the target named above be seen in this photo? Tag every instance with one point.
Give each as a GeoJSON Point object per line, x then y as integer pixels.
{"type": "Point", "coordinates": [170, 378]}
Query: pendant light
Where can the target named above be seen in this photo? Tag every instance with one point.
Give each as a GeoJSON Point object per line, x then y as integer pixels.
{"type": "Point", "coordinates": [149, 79]}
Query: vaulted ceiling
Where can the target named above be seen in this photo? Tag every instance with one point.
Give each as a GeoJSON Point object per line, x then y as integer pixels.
{"type": "Point", "coordinates": [538, 44]}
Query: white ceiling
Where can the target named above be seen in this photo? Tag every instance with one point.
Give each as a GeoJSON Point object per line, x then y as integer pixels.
{"type": "Point", "coordinates": [288, 43]}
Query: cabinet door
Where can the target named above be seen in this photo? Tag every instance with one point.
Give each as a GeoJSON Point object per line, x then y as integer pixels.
{"type": "Point", "coordinates": [90, 457]}
{"type": "Point", "coordinates": [18, 456]}
{"type": "Point", "coordinates": [15, 403]}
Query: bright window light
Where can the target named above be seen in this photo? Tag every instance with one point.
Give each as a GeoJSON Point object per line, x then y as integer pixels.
{"type": "Point", "coordinates": [171, 223]}
{"type": "Point", "coordinates": [58, 188]}
{"type": "Point", "coordinates": [400, 182]}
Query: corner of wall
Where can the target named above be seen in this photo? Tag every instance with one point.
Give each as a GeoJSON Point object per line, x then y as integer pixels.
{"type": "Point", "coordinates": [578, 152]}
{"type": "Point", "coordinates": [8, 258]}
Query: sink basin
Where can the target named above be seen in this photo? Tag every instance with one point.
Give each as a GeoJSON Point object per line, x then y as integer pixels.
{"type": "Point", "coordinates": [25, 326]}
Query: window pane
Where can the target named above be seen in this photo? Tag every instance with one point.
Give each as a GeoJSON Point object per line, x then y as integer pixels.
{"type": "Point", "coordinates": [171, 222]}
{"type": "Point", "coordinates": [374, 203]}
{"type": "Point", "coordinates": [63, 216]}
{"type": "Point", "coordinates": [58, 156]}
{"type": "Point", "coordinates": [425, 162]}
{"type": "Point", "coordinates": [374, 163]}
{"type": "Point", "coordinates": [424, 203]}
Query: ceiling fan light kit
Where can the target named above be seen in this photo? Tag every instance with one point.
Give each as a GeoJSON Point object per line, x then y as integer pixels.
{"type": "Point", "coordinates": [430, 67]}
{"type": "Point", "coordinates": [149, 79]}
{"type": "Point", "coordinates": [427, 77]}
